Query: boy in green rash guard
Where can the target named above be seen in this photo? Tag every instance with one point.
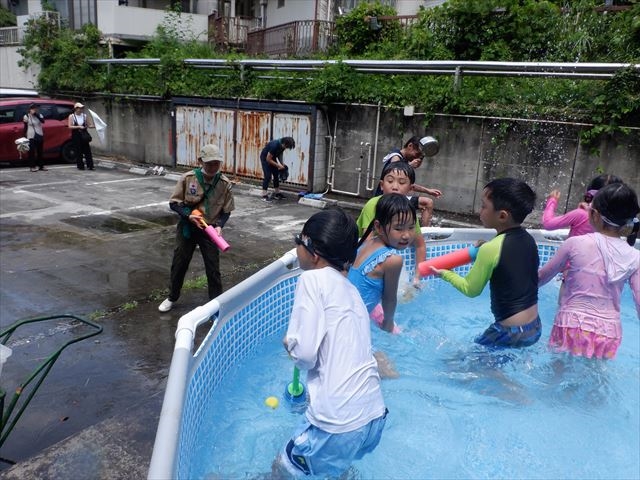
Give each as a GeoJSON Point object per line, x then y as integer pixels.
{"type": "Point", "coordinates": [397, 177]}
{"type": "Point", "coordinates": [509, 262]}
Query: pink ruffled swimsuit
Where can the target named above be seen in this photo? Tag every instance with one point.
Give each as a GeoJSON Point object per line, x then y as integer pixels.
{"type": "Point", "coordinates": [596, 267]}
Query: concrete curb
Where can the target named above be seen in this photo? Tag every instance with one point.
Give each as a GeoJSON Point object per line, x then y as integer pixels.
{"type": "Point", "coordinates": [252, 190]}
{"type": "Point", "coordinates": [139, 171]}
{"type": "Point", "coordinates": [312, 202]}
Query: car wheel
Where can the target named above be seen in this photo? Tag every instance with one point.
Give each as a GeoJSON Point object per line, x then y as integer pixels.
{"type": "Point", "coordinates": [69, 152]}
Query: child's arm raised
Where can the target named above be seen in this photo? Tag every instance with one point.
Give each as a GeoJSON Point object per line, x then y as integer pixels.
{"type": "Point", "coordinates": [552, 222]}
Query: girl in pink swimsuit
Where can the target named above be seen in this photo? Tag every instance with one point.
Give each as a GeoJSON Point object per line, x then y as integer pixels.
{"type": "Point", "coordinates": [597, 267]}
{"type": "Point", "coordinates": [576, 220]}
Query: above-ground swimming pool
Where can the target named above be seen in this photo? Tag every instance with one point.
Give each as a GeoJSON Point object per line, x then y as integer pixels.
{"type": "Point", "coordinates": [456, 409]}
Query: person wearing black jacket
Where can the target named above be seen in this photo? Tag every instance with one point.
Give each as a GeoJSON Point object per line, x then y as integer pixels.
{"type": "Point", "coordinates": [273, 166]}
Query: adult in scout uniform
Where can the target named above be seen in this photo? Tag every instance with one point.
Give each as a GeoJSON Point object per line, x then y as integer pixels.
{"type": "Point", "coordinates": [209, 191]}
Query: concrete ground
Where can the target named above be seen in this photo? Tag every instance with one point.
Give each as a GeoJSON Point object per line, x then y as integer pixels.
{"type": "Point", "coordinates": [98, 245]}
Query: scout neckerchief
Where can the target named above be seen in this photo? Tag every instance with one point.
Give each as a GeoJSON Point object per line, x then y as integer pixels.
{"type": "Point", "coordinates": [207, 190]}
{"type": "Point", "coordinates": [187, 226]}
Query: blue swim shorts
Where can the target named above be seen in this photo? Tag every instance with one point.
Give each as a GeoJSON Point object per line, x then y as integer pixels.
{"type": "Point", "coordinates": [312, 451]}
{"type": "Point", "coordinates": [500, 336]}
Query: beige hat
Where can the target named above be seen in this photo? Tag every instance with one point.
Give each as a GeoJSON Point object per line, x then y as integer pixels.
{"type": "Point", "coordinates": [210, 153]}
{"type": "Point", "coordinates": [78, 105]}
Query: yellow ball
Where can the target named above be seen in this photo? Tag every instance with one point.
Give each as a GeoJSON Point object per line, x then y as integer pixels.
{"type": "Point", "coordinates": [271, 402]}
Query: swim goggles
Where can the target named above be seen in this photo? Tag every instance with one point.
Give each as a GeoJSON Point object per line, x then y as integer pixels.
{"type": "Point", "coordinates": [305, 242]}
{"type": "Point", "coordinates": [634, 223]}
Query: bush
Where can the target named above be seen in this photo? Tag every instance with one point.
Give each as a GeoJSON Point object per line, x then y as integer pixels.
{"type": "Point", "coordinates": [499, 30]}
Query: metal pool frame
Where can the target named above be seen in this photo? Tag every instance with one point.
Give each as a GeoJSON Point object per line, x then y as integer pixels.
{"type": "Point", "coordinates": [254, 309]}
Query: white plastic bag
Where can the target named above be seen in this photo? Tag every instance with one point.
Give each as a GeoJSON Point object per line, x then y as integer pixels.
{"type": "Point", "coordinates": [22, 144]}
{"type": "Point", "coordinates": [99, 124]}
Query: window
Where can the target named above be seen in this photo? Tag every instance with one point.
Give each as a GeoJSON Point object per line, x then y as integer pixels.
{"type": "Point", "coordinates": [47, 110]}
{"type": "Point", "coordinates": [280, 3]}
{"type": "Point", "coordinates": [7, 114]}
{"type": "Point", "coordinates": [62, 112]}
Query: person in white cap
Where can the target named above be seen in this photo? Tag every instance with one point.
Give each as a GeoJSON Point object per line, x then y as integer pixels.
{"type": "Point", "coordinates": [207, 190]}
{"type": "Point", "coordinates": [79, 122]}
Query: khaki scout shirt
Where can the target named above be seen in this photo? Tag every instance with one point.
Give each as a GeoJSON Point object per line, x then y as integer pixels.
{"type": "Point", "coordinates": [189, 192]}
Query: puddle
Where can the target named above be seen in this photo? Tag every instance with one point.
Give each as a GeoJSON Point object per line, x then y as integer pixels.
{"type": "Point", "coordinates": [107, 223]}
{"type": "Point", "coordinates": [12, 183]}
{"type": "Point", "coordinates": [163, 219]}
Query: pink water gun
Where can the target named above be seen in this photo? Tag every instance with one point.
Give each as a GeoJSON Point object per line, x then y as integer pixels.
{"type": "Point", "coordinates": [211, 232]}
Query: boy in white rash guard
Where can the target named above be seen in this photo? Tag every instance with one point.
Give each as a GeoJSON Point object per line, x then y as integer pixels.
{"type": "Point", "coordinates": [329, 335]}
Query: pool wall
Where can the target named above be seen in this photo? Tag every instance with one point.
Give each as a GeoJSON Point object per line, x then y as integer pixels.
{"type": "Point", "coordinates": [243, 317]}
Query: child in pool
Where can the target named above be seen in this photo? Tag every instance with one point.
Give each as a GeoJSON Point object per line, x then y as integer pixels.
{"type": "Point", "coordinates": [377, 268]}
{"type": "Point", "coordinates": [397, 177]}
{"type": "Point", "coordinates": [597, 266]}
{"type": "Point", "coordinates": [509, 261]}
{"type": "Point", "coordinates": [329, 335]}
{"type": "Point", "coordinates": [578, 219]}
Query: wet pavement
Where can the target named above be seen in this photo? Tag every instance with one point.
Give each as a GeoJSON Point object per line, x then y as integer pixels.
{"type": "Point", "coordinates": [98, 245]}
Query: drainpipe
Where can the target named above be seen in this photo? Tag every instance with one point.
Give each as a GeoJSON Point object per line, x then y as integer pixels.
{"type": "Point", "coordinates": [372, 182]}
{"type": "Point", "coordinates": [332, 167]}
{"type": "Point", "coordinates": [263, 13]}
{"type": "Point", "coordinates": [332, 153]}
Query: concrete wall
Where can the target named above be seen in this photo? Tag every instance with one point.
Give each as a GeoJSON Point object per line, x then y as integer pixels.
{"type": "Point", "coordinates": [138, 130]}
{"type": "Point", "coordinates": [473, 150]}
{"type": "Point", "coordinates": [547, 155]}
{"type": "Point", "coordinates": [132, 22]}
{"type": "Point", "coordinates": [11, 75]}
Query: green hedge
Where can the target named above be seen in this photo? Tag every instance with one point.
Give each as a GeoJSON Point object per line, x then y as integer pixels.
{"type": "Point", "coordinates": [500, 30]}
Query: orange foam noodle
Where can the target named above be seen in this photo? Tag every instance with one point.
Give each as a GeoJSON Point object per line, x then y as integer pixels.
{"type": "Point", "coordinates": [448, 261]}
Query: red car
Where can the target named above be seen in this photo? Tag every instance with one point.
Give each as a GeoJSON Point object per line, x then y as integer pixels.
{"type": "Point", "coordinates": [57, 135]}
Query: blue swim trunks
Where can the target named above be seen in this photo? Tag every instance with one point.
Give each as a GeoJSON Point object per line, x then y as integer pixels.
{"type": "Point", "coordinates": [312, 451]}
{"type": "Point", "coordinates": [499, 336]}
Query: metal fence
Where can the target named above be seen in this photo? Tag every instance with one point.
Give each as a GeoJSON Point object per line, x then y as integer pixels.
{"type": "Point", "coordinates": [10, 36]}
{"type": "Point", "coordinates": [13, 35]}
{"type": "Point", "coordinates": [292, 39]}
{"type": "Point", "coordinates": [230, 32]}
{"type": "Point", "coordinates": [456, 68]}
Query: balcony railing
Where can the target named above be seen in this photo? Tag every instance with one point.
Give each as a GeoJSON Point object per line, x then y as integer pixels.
{"type": "Point", "coordinates": [10, 36]}
{"type": "Point", "coordinates": [292, 39]}
{"type": "Point", "coordinates": [13, 35]}
{"type": "Point", "coordinates": [230, 32]}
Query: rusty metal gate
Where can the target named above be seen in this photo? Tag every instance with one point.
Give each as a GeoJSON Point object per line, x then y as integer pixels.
{"type": "Point", "coordinates": [241, 130]}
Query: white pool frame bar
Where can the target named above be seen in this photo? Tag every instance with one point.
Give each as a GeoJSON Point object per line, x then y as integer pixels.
{"type": "Point", "coordinates": [233, 312]}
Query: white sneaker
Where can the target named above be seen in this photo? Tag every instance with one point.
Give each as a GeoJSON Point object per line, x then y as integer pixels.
{"type": "Point", "coordinates": [166, 305]}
